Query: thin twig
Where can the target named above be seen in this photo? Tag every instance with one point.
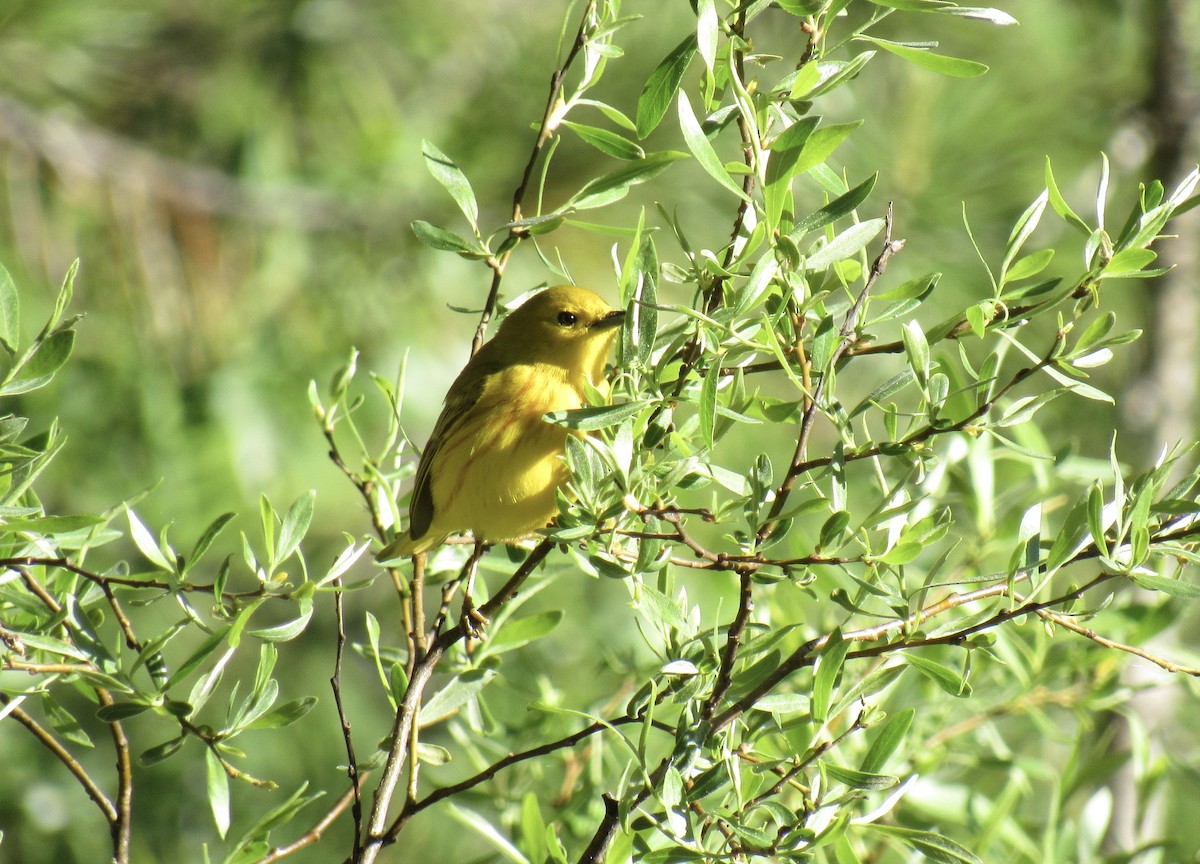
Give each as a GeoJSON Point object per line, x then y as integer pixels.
{"type": "Point", "coordinates": [497, 263]}
{"type": "Point", "coordinates": [336, 683]}
{"type": "Point", "coordinates": [47, 740]}
{"type": "Point", "coordinates": [314, 834]}
{"type": "Point", "coordinates": [377, 836]}
{"type": "Point", "coordinates": [1065, 622]}
{"type": "Point", "coordinates": [813, 403]}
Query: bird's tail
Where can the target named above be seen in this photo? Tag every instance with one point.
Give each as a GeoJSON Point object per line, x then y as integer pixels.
{"type": "Point", "coordinates": [404, 546]}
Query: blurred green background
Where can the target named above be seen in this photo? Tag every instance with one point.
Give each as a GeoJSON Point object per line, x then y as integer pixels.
{"type": "Point", "coordinates": [238, 177]}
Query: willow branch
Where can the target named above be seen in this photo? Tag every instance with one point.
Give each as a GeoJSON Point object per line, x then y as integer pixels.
{"type": "Point", "coordinates": [497, 263]}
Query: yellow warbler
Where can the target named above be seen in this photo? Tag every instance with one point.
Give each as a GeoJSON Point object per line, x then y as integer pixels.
{"type": "Point", "coordinates": [493, 464]}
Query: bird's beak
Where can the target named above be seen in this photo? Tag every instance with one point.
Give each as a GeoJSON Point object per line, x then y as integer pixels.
{"type": "Point", "coordinates": [612, 319]}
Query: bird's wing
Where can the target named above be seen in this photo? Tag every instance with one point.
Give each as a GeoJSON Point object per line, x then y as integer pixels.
{"type": "Point", "coordinates": [462, 397]}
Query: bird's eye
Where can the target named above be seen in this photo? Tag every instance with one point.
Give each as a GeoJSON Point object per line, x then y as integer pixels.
{"type": "Point", "coordinates": [567, 319]}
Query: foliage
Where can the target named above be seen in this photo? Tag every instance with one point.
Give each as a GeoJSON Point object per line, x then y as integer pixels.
{"type": "Point", "coordinates": [881, 609]}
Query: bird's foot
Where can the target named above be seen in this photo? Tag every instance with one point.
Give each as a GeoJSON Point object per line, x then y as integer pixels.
{"type": "Point", "coordinates": [472, 621]}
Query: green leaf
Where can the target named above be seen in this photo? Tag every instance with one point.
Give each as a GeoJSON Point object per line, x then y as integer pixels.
{"type": "Point", "coordinates": [285, 714]}
{"type": "Point", "coordinates": [446, 241]}
{"type": "Point", "coordinates": [829, 667]}
{"type": "Point", "coordinates": [800, 8]}
{"type": "Point", "coordinates": [218, 791]}
{"type": "Point", "coordinates": [51, 524]}
{"type": "Point", "coordinates": [146, 544]}
{"type": "Point", "coordinates": [660, 87]}
{"type": "Point", "coordinates": [707, 31]}
{"type": "Point", "coordinates": [10, 312]}
{"type": "Point", "coordinates": [708, 402]}
{"type": "Point", "coordinates": [1128, 261]}
{"type": "Point", "coordinates": [1025, 226]}
{"type": "Point", "coordinates": [783, 703]}
{"type": "Point", "coordinates": [198, 656]}
{"type": "Point", "coordinates": [850, 242]}
{"type": "Point", "coordinates": [885, 741]}
{"type": "Point", "coordinates": [118, 711]}
{"type": "Point", "coordinates": [522, 631]}
{"type": "Point", "coordinates": [595, 417]}
{"type": "Point", "coordinates": [447, 173]}
{"type": "Point", "coordinates": [835, 209]}
{"type": "Point", "coordinates": [699, 144]}
{"type": "Point", "coordinates": [616, 184]}
{"type": "Point", "coordinates": [295, 525]}
{"type": "Point", "coordinates": [1060, 205]}
{"type": "Point", "coordinates": [916, 346]}
{"type": "Point", "coordinates": [781, 165]}
{"type": "Point", "coordinates": [63, 722]}
{"type": "Point", "coordinates": [914, 5]}
{"type": "Point", "coordinates": [935, 847]}
{"type": "Point", "coordinates": [209, 535]}
{"type": "Point", "coordinates": [606, 141]}
{"type": "Point", "coordinates": [821, 144]}
{"type": "Point", "coordinates": [1030, 265]}
{"type": "Point", "coordinates": [460, 689]}
{"type": "Point", "coordinates": [1168, 586]}
{"type": "Point", "coordinates": [288, 630]}
{"type": "Point", "coordinates": [48, 357]}
{"type": "Point", "coordinates": [955, 67]}
{"type": "Point", "coordinates": [943, 676]}
{"type": "Point", "coordinates": [859, 779]}
{"type": "Point", "coordinates": [1070, 537]}
{"type": "Point", "coordinates": [160, 752]}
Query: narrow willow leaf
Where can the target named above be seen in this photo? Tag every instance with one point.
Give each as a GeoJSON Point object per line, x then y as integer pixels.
{"type": "Point", "coordinates": [595, 416]}
{"type": "Point", "coordinates": [835, 209]}
{"type": "Point", "coordinates": [859, 779]}
{"type": "Point", "coordinates": [708, 402]}
{"type": "Point", "coordinates": [1025, 226]}
{"type": "Point", "coordinates": [209, 535]}
{"type": "Point", "coordinates": [1030, 265]}
{"type": "Point", "coordinates": [10, 312]}
{"type": "Point", "coordinates": [707, 30]}
{"type": "Point", "coordinates": [607, 142]}
{"type": "Point", "coordinates": [284, 715]}
{"type": "Point", "coordinates": [446, 172]}
{"type": "Point", "coordinates": [699, 144]}
{"type": "Point", "coordinates": [616, 184]}
{"type": "Point", "coordinates": [460, 689]}
{"type": "Point", "coordinates": [288, 630]}
{"type": "Point", "coordinates": [522, 631]}
{"type": "Point", "coordinates": [850, 242]}
{"type": "Point", "coordinates": [829, 668]}
{"type": "Point", "coordinates": [295, 525]}
{"type": "Point", "coordinates": [48, 357]}
{"type": "Point", "coordinates": [1128, 262]}
{"type": "Point", "coordinates": [660, 87]}
{"type": "Point", "coordinates": [1060, 205]}
{"type": "Point", "coordinates": [441, 239]}
{"type": "Point", "coordinates": [885, 741]}
{"type": "Point", "coordinates": [935, 847]}
{"type": "Point", "coordinates": [821, 144]}
{"type": "Point", "coordinates": [218, 791]}
{"type": "Point", "coordinates": [145, 542]}
{"type": "Point", "coordinates": [160, 752]}
{"type": "Point", "coordinates": [1168, 586]}
{"type": "Point", "coordinates": [955, 67]}
{"type": "Point", "coordinates": [781, 165]}
{"type": "Point", "coordinates": [939, 674]}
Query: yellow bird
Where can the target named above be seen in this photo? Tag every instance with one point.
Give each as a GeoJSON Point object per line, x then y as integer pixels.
{"type": "Point", "coordinates": [493, 464]}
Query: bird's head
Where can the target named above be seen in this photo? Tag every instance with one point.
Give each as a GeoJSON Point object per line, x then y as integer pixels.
{"type": "Point", "coordinates": [567, 326]}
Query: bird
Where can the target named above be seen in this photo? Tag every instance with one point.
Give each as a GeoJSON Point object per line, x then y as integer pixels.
{"type": "Point", "coordinates": [493, 463]}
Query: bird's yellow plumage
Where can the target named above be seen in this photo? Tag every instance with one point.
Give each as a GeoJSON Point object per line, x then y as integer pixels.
{"type": "Point", "coordinates": [493, 464]}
